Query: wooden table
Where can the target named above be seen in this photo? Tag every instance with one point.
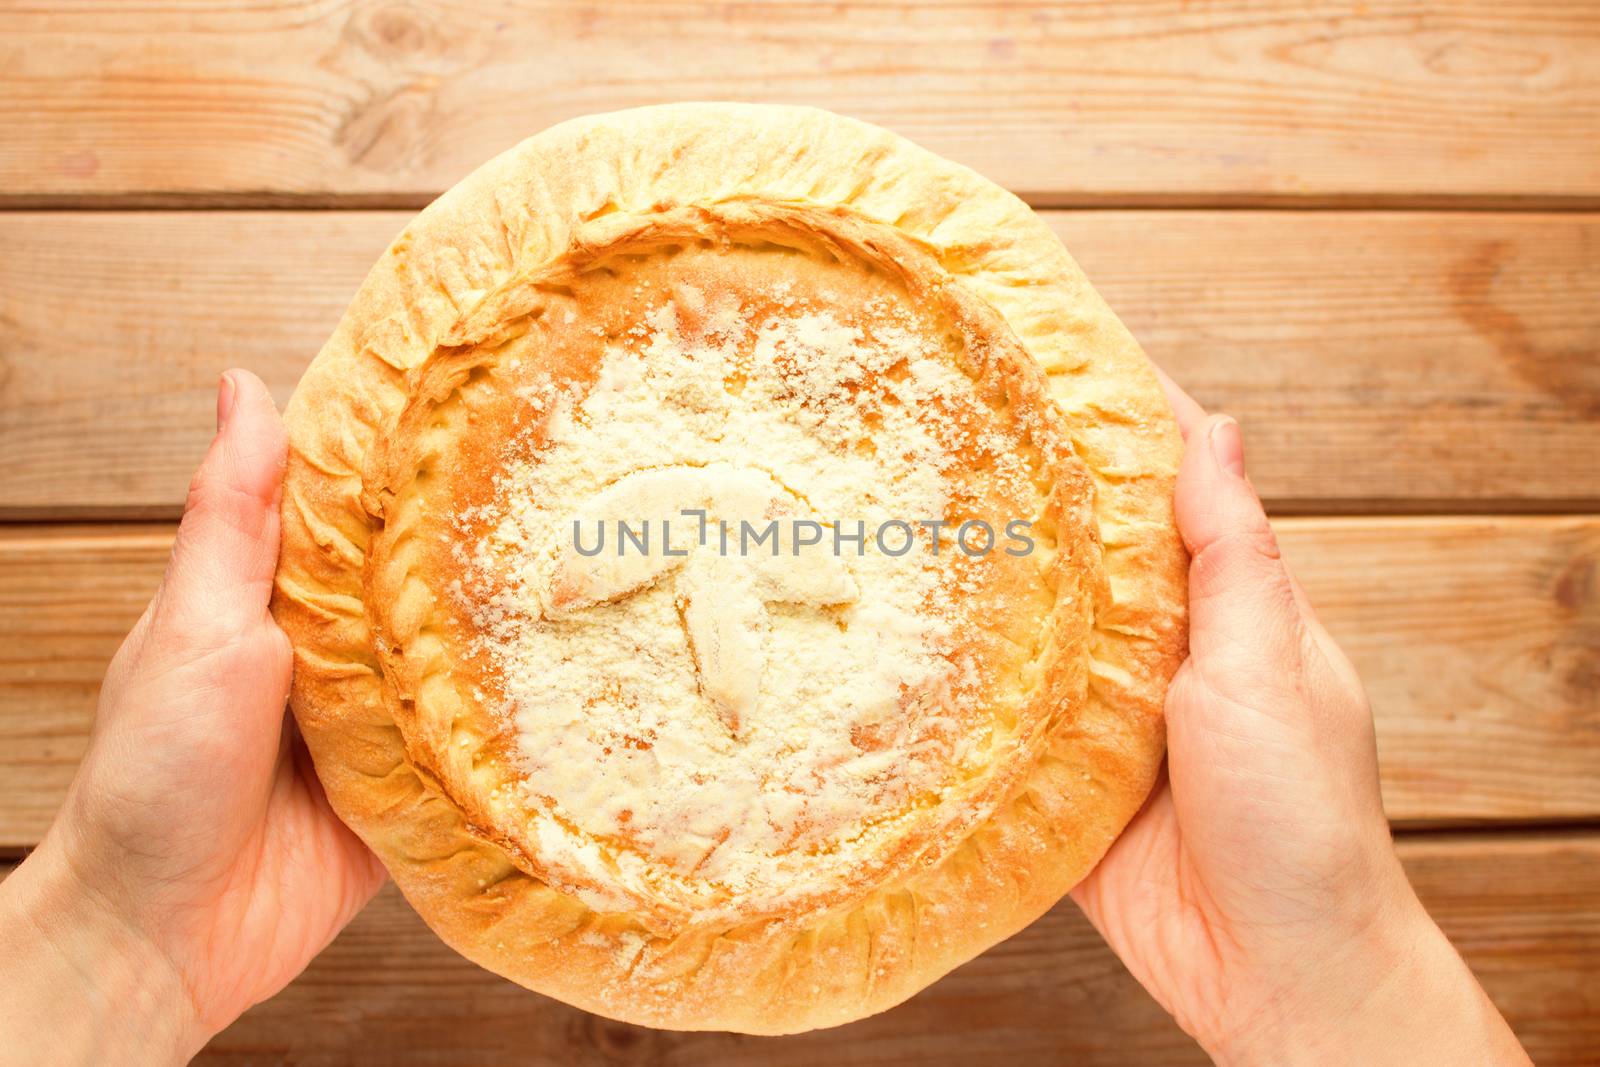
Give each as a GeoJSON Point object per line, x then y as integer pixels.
{"type": "Point", "coordinates": [1371, 232]}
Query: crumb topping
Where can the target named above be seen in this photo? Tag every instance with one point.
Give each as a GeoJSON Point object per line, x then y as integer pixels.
{"type": "Point", "coordinates": [705, 720]}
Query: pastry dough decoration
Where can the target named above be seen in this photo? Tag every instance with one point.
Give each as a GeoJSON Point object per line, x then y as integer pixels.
{"type": "Point", "coordinates": [721, 599]}
{"type": "Point", "coordinates": [701, 788]}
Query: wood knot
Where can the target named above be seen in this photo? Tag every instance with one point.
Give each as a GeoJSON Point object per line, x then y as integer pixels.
{"type": "Point", "coordinates": [1565, 373]}
{"type": "Point", "coordinates": [394, 32]}
{"type": "Point", "coordinates": [616, 1042]}
{"type": "Point", "coordinates": [396, 57]}
{"type": "Point", "coordinates": [1575, 585]}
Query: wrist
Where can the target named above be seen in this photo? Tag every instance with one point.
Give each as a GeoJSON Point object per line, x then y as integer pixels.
{"type": "Point", "coordinates": [83, 977]}
{"type": "Point", "coordinates": [1304, 1014]}
{"type": "Point", "coordinates": [1396, 992]}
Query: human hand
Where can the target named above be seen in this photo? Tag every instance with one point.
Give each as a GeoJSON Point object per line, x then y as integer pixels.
{"type": "Point", "coordinates": [195, 867]}
{"type": "Point", "coordinates": [1257, 895]}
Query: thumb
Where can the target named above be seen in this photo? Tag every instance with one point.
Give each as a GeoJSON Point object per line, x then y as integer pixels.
{"type": "Point", "coordinates": [219, 580]}
{"type": "Point", "coordinates": [1245, 621]}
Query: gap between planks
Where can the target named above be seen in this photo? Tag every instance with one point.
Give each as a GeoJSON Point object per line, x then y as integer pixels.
{"type": "Point", "coordinates": [89, 515]}
{"type": "Point", "coordinates": [1042, 201]}
{"type": "Point", "coordinates": [1488, 835]}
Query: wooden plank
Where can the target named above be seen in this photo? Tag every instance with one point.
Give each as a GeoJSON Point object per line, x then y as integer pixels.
{"type": "Point", "coordinates": [1523, 909]}
{"type": "Point", "coordinates": [1525, 912]}
{"type": "Point", "coordinates": [1378, 361]}
{"type": "Point", "coordinates": [352, 102]}
{"type": "Point", "coordinates": [67, 598]}
{"type": "Point", "coordinates": [113, 335]}
{"type": "Point", "coordinates": [1478, 639]}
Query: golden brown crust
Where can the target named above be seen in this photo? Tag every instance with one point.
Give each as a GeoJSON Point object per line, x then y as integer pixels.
{"type": "Point", "coordinates": [449, 282]}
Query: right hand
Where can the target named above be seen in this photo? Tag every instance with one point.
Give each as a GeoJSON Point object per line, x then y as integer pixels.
{"type": "Point", "coordinates": [1258, 895]}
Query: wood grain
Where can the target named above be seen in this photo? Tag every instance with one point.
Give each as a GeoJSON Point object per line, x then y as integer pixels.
{"type": "Point", "coordinates": [1378, 361]}
{"type": "Point", "coordinates": [352, 102]}
{"type": "Point", "coordinates": [1525, 912]}
{"type": "Point", "coordinates": [68, 596]}
{"type": "Point", "coordinates": [1443, 362]}
{"type": "Point", "coordinates": [1478, 639]}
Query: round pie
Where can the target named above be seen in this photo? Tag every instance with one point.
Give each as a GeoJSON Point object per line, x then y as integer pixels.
{"type": "Point", "coordinates": [729, 556]}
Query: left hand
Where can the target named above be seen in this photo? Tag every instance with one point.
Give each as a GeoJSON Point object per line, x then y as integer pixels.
{"type": "Point", "coordinates": [195, 867]}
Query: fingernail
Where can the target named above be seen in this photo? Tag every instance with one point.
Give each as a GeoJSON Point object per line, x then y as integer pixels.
{"type": "Point", "coordinates": [226, 392]}
{"type": "Point", "coordinates": [1227, 447]}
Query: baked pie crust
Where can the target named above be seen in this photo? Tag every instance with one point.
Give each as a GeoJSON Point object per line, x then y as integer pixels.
{"type": "Point", "coordinates": [703, 787]}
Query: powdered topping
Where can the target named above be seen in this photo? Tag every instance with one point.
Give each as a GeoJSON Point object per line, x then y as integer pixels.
{"type": "Point", "coordinates": [721, 598]}
{"type": "Point", "coordinates": [702, 724]}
